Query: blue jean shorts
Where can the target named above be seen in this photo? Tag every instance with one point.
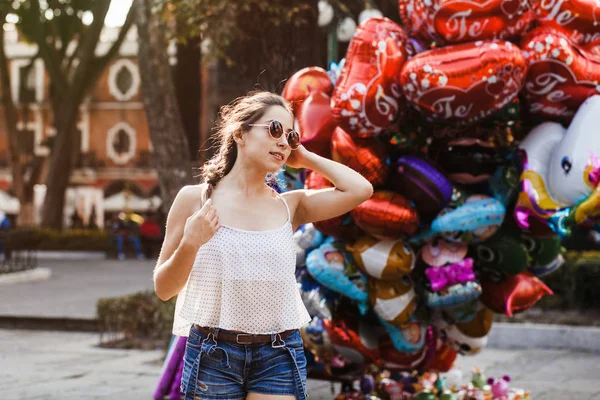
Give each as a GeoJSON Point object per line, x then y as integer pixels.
{"type": "Point", "coordinates": [219, 369]}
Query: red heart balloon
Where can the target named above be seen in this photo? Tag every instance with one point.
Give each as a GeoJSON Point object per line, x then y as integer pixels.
{"type": "Point", "coordinates": [514, 294]}
{"type": "Point", "coordinates": [578, 19]}
{"type": "Point", "coordinates": [561, 74]}
{"type": "Point", "coordinates": [297, 88]}
{"type": "Point", "coordinates": [459, 21]}
{"type": "Point", "coordinates": [593, 48]}
{"type": "Point", "coordinates": [342, 226]}
{"type": "Point", "coordinates": [367, 97]}
{"type": "Point", "coordinates": [364, 156]}
{"type": "Point", "coordinates": [464, 82]}
{"type": "Point", "coordinates": [386, 215]}
{"type": "Point", "coordinates": [316, 123]}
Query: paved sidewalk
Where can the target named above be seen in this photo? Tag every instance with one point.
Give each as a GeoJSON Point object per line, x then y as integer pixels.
{"type": "Point", "coordinates": [74, 288]}
{"type": "Point", "coordinates": [67, 366]}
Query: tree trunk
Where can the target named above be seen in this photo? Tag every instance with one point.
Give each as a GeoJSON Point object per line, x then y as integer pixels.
{"type": "Point", "coordinates": [171, 149]}
{"type": "Point", "coordinates": [23, 189]}
{"type": "Point", "coordinates": [59, 170]}
{"type": "Point", "coordinates": [188, 86]}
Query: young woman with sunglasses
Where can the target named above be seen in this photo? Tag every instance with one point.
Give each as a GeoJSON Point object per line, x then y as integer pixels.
{"type": "Point", "coordinates": [230, 257]}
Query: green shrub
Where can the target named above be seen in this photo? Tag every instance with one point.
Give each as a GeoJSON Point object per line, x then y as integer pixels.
{"type": "Point", "coordinates": [138, 316]}
{"type": "Point", "coordinates": [49, 239]}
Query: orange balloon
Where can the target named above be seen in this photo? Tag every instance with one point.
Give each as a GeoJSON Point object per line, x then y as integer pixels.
{"type": "Point", "coordinates": [297, 88]}
{"type": "Point", "coordinates": [364, 156]}
{"type": "Point", "coordinates": [386, 215]}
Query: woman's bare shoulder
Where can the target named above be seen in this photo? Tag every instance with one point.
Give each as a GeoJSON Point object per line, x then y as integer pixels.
{"type": "Point", "coordinates": [190, 196]}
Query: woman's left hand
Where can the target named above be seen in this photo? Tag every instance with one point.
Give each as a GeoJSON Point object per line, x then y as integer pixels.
{"type": "Point", "coordinates": [298, 158]}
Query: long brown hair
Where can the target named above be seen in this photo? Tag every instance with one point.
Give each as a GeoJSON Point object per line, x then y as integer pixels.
{"type": "Point", "coordinates": [234, 119]}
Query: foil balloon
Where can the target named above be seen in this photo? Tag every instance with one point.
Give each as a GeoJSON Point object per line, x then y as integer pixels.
{"type": "Point", "coordinates": [366, 157]}
{"type": "Point", "coordinates": [514, 294]}
{"type": "Point", "coordinates": [367, 97]}
{"type": "Point", "coordinates": [452, 21]}
{"type": "Point", "coordinates": [393, 301]}
{"type": "Point", "coordinates": [466, 82]}
{"type": "Point", "coordinates": [308, 237]}
{"type": "Point", "coordinates": [453, 296]}
{"type": "Point", "coordinates": [561, 168]}
{"type": "Point", "coordinates": [502, 254]}
{"type": "Point", "coordinates": [578, 19]}
{"type": "Point", "coordinates": [440, 252]}
{"type": "Point", "coordinates": [407, 339]}
{"type": "Point", "coordinates": [462, 313]}
{"type": "Point", "coordinates": [468, 338]}
{"type": "Point", "coordinates": [383, 259]}
{"type": "Point", "coordinates": [356, 342]}
{"type": "Point", "coordinates": [386, 215]}
{"type": "Point", "coordinates": [314, 297]}
{"type": "Point", "coordinates": [315, 123]}
{"type": "Point", "coordinates": [422, 183]}
{"type": "Point", "coordinates": [395, 360]}
{"type": "Point", "coordinates": [342, 226]}
{"type": "Point", "coordinates": [333, 267]}
{"type": "Point", "coordinates": [298, 87]}
{"type": "Point", "coordinates": [561, 75]}
{"type": "Point", "coordinates": [544, 253]}
{"type": "Point", "coordinates": [594, 48]}
{"type": "Point", "coordinates": [467, 160]}
{"type": "Point", "coordinates": [475, 220]}
{"type": "Point", "coordinates": [316, 340]}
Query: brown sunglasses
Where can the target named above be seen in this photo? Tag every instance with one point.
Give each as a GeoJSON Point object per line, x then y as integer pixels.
{"type": "Point", "coordinates": [275, 129]}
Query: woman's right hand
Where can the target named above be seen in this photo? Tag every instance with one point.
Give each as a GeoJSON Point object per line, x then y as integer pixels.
{"type": "Point", "coordinates": [201, 225]}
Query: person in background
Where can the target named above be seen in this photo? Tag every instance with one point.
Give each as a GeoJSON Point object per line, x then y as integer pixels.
{"type": "Point", "coordinates": [4, 227]}
{"type": "Point", "coordinates": [150, 234]}
{"type": "Point", "coordinates": [126, 230]}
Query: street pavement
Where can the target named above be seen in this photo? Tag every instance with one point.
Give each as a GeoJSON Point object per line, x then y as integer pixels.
{"type": "Point", "coordinates": [38, 365]}
{"type": "Point", "coordinates": [58, 365]}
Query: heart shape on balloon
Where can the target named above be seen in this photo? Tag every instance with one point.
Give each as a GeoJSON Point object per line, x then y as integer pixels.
{"type": "Point", "coordinates": [579, 20]}
{"type": "Point", "coordinates": [459, 21]}
{"type": "Point", "coordinates": [466, 82]}
{"type": "Point", "coordinates": [561, 74]}
{"type": "Point", "coordinates": [367, 96]}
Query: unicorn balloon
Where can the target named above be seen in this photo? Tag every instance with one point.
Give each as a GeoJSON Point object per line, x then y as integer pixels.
{"type": "Point", "coordinates": [561, 168]}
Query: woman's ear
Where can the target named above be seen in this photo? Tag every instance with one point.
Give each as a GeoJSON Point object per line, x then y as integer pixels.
{"type": "Point", "coordinates": [238, 136]}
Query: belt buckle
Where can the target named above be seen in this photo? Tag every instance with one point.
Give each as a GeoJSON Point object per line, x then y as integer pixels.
{"type": "Point", "coordinates": [237, 338]}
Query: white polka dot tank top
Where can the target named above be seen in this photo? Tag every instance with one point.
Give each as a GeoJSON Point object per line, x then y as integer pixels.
{"type": "Point", "coordinates": [243, 281]}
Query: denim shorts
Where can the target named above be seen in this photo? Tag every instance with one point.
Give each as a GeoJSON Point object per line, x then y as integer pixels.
{"type": "Point", "coordinates": [219, 369]}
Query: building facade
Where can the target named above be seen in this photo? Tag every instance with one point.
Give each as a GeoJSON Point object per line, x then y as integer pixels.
{"type": "Point", "coordinates": [112, 170]}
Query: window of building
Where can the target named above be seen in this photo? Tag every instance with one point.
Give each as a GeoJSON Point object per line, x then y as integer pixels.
{"type": "Point", "coordinates": [121, 143]}
{"type": "Point", "coordinates": [124, 80]}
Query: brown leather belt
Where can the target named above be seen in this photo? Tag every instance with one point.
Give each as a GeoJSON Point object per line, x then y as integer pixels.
{"type": "Point", "coordinates": [241, 338]}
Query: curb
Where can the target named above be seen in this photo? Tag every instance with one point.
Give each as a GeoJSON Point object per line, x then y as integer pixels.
{"type": "Point", "coordinates": [70, 255]}
{"type": "Point", "coordinates": [50, 324]}
{"type": "Point", "coordinates": [32, 275]}
{"type": "Point", "coordinates": [506, 335]}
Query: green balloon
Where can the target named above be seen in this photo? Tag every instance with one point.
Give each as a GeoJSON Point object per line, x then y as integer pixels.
{"type": "Point", "coordinates": [446, 395]}
{"type": "Point", "coordinates": [425, 395]}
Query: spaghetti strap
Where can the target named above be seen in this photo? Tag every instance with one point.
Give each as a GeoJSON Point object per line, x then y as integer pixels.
{"type": "Point", "coordinates": [285, 203]}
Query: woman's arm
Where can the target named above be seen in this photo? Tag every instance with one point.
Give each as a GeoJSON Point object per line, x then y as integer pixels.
{"type": "Point", "coordinates": [186, 231]}
{"type": "Point", "coordinates": [351, 189]}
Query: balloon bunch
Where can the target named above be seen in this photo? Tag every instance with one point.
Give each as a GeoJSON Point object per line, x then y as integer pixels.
{"type": "Point", "coordinates": [466, 215]}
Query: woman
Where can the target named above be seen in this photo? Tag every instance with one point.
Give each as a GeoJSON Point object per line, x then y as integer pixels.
{"type": "Point", "coordinates": [232, 259]}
